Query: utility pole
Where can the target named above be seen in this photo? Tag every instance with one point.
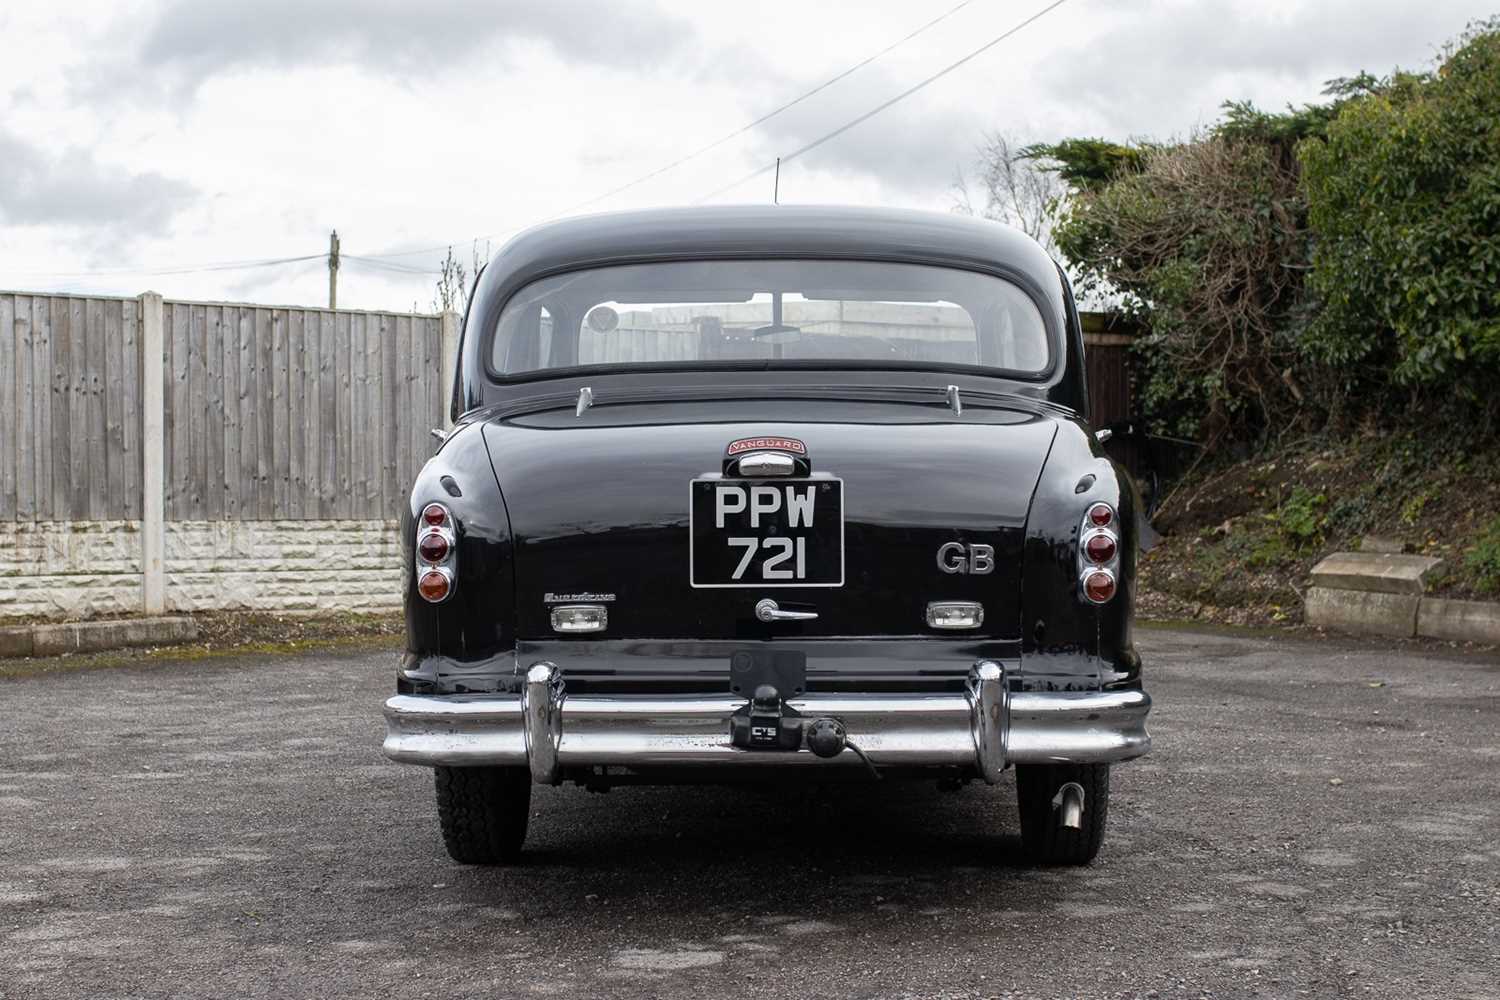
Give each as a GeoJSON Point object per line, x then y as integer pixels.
{"type": "Point", "coordinates": [333, 269]}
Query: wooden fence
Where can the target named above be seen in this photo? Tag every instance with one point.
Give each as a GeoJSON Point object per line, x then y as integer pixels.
{"type": "Point", "coordinates": [266, 413]}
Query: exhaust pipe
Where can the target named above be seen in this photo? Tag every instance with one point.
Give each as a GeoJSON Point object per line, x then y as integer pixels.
{"type": "Point", "coordinates": [1068, 806]}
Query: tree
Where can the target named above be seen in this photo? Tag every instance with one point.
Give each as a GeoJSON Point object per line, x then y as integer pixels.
{"type": "Point", "coordinates": [1015, 189]}
{"type": "Point", "coordinates": [456, 281]}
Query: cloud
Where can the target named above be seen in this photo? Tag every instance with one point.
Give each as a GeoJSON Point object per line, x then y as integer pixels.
{"type": "Point", "coordinates": [1134, 71]}
{"type": "Point", "coordinates": [76, 190]}
{"type": "Point", "coordinates": [914, 147]}
{"type": "Point", "coordinates": [190, 41]}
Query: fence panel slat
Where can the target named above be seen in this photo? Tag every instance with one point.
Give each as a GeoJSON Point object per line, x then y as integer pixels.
{"type": "Point", "coordinates": [197, 411]}
{"type": "Point", "coordinates": [229, 370]}
{"type": "Point", "coordinates": [9, 452]}
{"type": "Point", "coordinates": [25, 402]}
{"type": "Point", "coordinates": [264, 426]}
{"type": "Point", "coordinates": [213, 391]}
{"type": "Point", "coordinates": [95, 477]}
{"type": "Point", "coordinates": [388, 409]}
{"type": "Point", "coordinates": [130, 409]}
{"type": "Point", "coordinates": [249, 437]}
{"type": "Point", "coordinates": [180, 418]}
{"type": "Point", "coordinates": [374, 417]}
{"type": "Point", "coordinates": [343, 506]}
{"type": "Point", "coordinates": [296, 387]}
{"type": "Point", "coordinates": [280, 432]}
{"type": "Point", "coordinates": [402, 345]}
{"type": "Point", "coordinates": [327, 414]}
{"type": "Point", "coordinates": [43, 376]}
{"type": "Point", "coordinates": [60, 439]}
{"type": "Point", "coordinates": [114, 410]}
{"type": "Point", "coordinates": [356, 415]}
{"type": "Point", "coordinates": [78, 410]}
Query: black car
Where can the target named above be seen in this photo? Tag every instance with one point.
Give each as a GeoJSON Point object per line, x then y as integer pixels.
{"type": "Point", "coordinates": [775, 493]}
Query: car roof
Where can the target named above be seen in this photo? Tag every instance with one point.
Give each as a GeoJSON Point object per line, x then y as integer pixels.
{"type": "Point", "coordinates": [834, 231]}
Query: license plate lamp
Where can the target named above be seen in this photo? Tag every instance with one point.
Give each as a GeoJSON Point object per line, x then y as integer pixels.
{"type": "Point", "coordinates": [955, 615]}
{"type": "Point", "coordinates": [572, 619]}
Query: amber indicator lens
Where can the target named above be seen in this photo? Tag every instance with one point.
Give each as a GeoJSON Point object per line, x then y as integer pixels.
{"type": "Point", "coordinates": [1099, 586]}
{"type": "Point", "coordinates": [433, 547]}
{"type": "Point", "coordinates": [433, 586]}
{"type": "Point", "coordinates": [435, 515]}
{"type": "Point", "coordinates": [1100, 514]}
{"type": "Point", "coordinates": [1100, 548]}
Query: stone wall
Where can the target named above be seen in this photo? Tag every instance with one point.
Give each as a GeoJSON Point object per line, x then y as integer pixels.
{"type": "Point", "coordinates": [83, 569]}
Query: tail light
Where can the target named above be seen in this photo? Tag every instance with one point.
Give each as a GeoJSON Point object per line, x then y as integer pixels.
{"type": "Point", "coordinates": [434, 585]}
{"type": "Point", "coordinates": [436, 553]}
{"type": "Point", "coordinates": [1099, 554]}
{"type": "Point", "coordinates": [1099, 585]}
{"type": "Point", "coordinates": [1100, 547]}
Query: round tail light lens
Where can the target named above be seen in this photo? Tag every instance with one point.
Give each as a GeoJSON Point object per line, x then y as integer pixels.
{"type": "Point", "coordinates": [433, 586]}
{"type": "Point", "coordinates": [435, 514]}
{"type": "Point", "coordinates": [1099, 586]}
{"type": "Point", "coordinates": [432, 547]}
{"type": "Point", "coordinates": [1101, 514]}
{"type": "Point", "coordinates": [1100, 548]}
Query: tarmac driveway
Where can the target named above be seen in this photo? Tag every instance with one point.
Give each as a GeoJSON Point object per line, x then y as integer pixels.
{"type": "Point", "coordinates": [1318, 819]}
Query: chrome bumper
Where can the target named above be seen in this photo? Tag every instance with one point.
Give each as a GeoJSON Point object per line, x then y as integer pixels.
{"type": "Point", "coordinates": [546, 729]}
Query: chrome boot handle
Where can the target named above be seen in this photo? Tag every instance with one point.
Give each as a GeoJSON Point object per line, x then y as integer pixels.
{"type": "Point", "coordinates": [768, 611]}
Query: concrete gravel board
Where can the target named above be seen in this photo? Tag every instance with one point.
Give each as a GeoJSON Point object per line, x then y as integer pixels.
{"type": "Point", "coordinates": [1467, 621]}
{"type": "Point", "coordinates": [1364, 611]}
{"type": "Point", "coordinates": [1384, 572]}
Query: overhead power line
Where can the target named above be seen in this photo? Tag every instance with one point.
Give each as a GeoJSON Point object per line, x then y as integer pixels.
{"type": "Point", "coordinates": [382, 261]}
{"type": "Point", "coordinates": [717, 142]}
{"type": "Point", "coordinates": [152, 272]}
{"type": "Point", "coordinates": [814, 144]}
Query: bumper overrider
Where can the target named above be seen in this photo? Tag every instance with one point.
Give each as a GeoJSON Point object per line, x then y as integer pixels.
{"type": "Point", "coordinates": [985, 727]}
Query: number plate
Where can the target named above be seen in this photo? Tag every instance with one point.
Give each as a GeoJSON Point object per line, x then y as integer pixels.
{"type": "Point", "coordinates": [755, 533]}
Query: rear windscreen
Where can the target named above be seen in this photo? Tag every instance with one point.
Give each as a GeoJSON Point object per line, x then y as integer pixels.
{"type": "Point", "coordinates": [793, 312]}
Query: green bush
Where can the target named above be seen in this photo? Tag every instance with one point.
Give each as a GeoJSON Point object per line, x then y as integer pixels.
{"type": "Point", "coordinates": [1206, 241]}
{"type": "Point", "coordinates": [1483, 560]}
{"type": "Point", "coordinates": [1403, 192]}
{"type": "Point", "coordinates": [1300, 517]}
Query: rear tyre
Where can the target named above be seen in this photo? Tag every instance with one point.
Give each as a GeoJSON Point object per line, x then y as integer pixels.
{"type": "Point", "coordinates": [1044, 841]}
{"type": "Point", "coordinates": [483, 812]}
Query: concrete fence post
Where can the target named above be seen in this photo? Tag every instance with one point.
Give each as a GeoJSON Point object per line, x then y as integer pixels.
{"type": "Point", "coordinates": [153, 458]}
{"type": "Point", "coordinates": [451, 326]}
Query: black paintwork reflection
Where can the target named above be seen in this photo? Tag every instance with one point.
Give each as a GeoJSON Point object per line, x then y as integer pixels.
{"type": "Point", "coordinates": [601, 504]}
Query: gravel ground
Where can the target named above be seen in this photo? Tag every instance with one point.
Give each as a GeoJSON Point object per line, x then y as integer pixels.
{"type": "Point", "coordinates": [1318, 819]}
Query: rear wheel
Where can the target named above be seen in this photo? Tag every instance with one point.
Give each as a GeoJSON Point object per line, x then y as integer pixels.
{"type": "Point", "coordinates": [1042, 801]}
{"type": "Point", "coordinates": [483, 812]}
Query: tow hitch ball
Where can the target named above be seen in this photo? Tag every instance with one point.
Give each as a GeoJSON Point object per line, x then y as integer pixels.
{"type": "Point", "coordinates": [768, 723]}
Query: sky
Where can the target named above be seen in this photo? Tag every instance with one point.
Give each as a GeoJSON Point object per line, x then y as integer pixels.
{"type": "Point", "coordinates": [165, 144]}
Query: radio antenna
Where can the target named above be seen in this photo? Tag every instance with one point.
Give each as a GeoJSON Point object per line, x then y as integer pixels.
{"type": "Point", "coordinates": [776, 186]}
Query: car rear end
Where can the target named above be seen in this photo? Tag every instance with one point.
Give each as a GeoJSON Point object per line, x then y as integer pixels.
{"type": "Point", "coordinates": [630, 572]}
